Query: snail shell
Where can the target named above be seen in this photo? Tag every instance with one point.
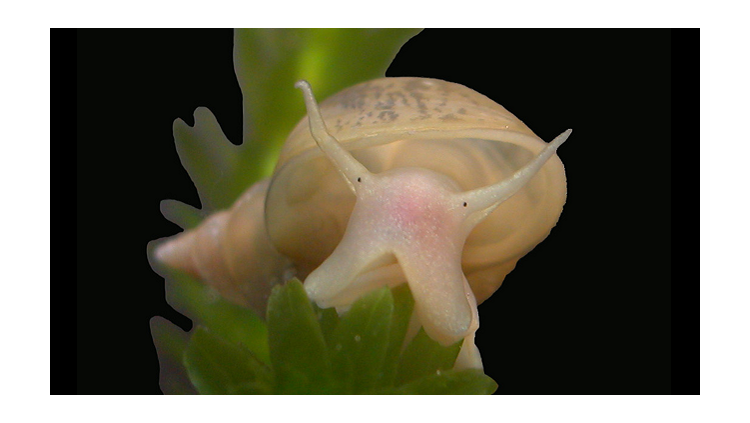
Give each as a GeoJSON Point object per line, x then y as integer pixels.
{"type": "Point", "coordinates": [416, 122]}
{"type": "Point", "coordinates": [231, 252]}
{"type": "Point", "coordinates": [394, 180]}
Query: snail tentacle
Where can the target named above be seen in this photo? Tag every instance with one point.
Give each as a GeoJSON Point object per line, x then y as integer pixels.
{"type": "Point", "coordinates": [345, 163]}
{"type": "Point", "coordinates": [419, 217]}
{"type": "Point", "coordinates": [483, 201]}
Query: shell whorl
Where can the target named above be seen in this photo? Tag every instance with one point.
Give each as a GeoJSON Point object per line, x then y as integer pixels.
{"type": "Point", "coordinates": [415, 122]}
{"type": "Point", "coordinates": [230, 251]}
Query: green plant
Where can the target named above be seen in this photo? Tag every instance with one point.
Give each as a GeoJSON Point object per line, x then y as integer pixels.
{"type": "Point", "coordinates": [314, 351]}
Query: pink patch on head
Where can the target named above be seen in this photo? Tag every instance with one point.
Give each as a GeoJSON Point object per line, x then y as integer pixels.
{"type": "Point", "coordinates": [416, 208]}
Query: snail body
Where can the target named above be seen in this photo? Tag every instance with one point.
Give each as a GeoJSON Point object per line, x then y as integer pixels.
{"type": "Point", "coordinates": [407, 180]}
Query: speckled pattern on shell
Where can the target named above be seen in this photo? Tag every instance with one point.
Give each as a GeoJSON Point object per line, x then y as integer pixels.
{"type": "Point", "coordinates": [415, 122]}
{"type": "Point", "coordinates": [395, 105]}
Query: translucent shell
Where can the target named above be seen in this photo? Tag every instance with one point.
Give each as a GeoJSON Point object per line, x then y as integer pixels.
{"type": "Point", "coordinates": [424, 123]}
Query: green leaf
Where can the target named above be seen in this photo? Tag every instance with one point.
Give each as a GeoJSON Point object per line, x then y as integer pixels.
{"type": "Point", "coordinates": [181, 214]}
{"type": "Point", "coordinates": [171, 342]}
{"type": "Point", "coordinates": [329, 320]}
{"type": "Point", "coordinates": [403, 305]}
{"type": "Point", "coordinates": [269, 61]}
{"type": "Point", "coordinates": [361, 341]}
{"type": "Point", "coordinates": [298, 350]}
{"type": "Point", "coordinates": [206, 307]}
{"type": "Point", "coordinates": [216, 366]}
{"type": "Point", "coordinates": [313, 351]}
{"type": "Point", "coordinates": [450, 382]}
{"type": "Point", "coordinates": [424, 357]}
{"type": "Point", "coordinates": [209, 159]}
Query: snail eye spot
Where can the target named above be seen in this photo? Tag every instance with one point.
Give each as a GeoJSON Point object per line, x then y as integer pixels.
{"type": "Point", "coordinates": [464, 204]}
{"type": "Point", "coordinates": [359, 179]}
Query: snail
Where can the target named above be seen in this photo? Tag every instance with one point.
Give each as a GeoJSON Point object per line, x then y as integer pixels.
{"type": "Point", "coordinates": [395, 180]}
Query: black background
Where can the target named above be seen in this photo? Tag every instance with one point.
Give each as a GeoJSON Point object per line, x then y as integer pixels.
{"type": "Point", "coordinates": [587, 312]}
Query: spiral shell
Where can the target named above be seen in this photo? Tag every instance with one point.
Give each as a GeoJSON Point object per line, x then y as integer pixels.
{"type": "Point", "coordinates": [396, 180]}
{"type": "Point", "coordinates": [416, 122]}
{"type": "Point", "coordinates": [231, 252]}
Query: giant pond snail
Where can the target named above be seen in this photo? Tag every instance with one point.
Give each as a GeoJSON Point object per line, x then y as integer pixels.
{"type": "Point", "coordinates": [396, 180]}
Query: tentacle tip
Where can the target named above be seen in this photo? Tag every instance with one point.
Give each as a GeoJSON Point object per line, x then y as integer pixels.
{"type": "Point", "coordinates": [302, 85]}
{"type": "Point", "coordinates": [564, 136]}
{"type": "Point", "coordinates": [557, 142]}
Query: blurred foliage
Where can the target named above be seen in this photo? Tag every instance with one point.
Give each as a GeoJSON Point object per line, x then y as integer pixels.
{"type": "Point", "coordinates": [268, 62]}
